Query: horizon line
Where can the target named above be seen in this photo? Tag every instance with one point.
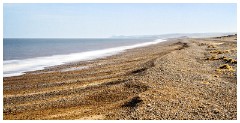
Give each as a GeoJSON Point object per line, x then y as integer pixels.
{"type": "Point", "coordinates": [113, 36]}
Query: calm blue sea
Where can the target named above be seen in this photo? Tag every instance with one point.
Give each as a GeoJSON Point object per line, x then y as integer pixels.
{"type": "Point", "coordinates": [15, 49]}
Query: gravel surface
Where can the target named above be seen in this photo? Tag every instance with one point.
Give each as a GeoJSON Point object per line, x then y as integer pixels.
{"type": "Point", "coordinates": [179, 79]}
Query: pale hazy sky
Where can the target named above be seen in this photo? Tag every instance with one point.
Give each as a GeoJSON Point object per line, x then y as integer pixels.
{"type": "Point", "coordinates": [105, 20]}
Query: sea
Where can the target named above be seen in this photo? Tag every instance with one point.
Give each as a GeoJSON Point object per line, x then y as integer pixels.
{"type": "Point", "coordinates": [22, 55]}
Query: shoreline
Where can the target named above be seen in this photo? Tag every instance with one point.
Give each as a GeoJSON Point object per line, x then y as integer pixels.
{"type": "Point", "coordinates": [184, 78]}
{"type": "Point", "coordinates": [40, 63]}
{"type": "Point", "coordinates": [95, 62]}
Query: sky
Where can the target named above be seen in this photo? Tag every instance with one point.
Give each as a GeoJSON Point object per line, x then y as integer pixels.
{"type": "Point", "coordinates": [81, 20]}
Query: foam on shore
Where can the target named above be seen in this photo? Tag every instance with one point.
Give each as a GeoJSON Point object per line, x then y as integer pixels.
{"type": "Point", "coordinates": [18, 67]}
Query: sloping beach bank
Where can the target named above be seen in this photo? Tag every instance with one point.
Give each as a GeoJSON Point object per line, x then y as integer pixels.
{"type": "Point", "coordinates": [180, 79]}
